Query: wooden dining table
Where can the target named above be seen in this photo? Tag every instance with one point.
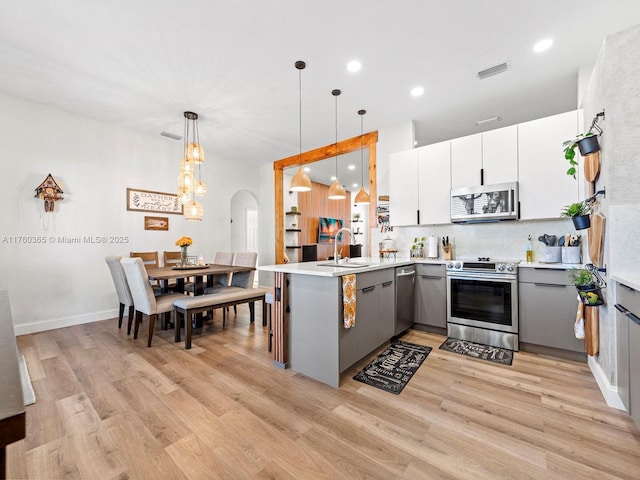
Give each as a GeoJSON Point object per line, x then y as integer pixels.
{"type": "Point", "coordinates": [203, 278]}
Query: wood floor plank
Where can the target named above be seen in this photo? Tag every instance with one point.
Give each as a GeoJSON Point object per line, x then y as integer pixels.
{"type": "Point", "coordinates": [110, 408]}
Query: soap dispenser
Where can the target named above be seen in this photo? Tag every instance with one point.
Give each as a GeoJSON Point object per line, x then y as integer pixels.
{"type": "Point", "coordinates": [529, 250]}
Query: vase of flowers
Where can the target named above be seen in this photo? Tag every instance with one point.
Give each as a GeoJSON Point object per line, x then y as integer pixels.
{"type": "Point", "coordinates": [183, 243]}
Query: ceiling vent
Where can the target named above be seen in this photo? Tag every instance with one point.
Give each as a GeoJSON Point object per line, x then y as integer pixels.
{"type": "Point", "coordinates": [496, 69]}
{"type": "Point", "coordinates": [171, 135]}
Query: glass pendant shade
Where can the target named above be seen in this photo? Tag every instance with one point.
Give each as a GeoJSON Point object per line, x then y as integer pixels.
{"type": "Point", "coordinates": [195, 153]}
{"type": "Point", "coordinates": [300, 182]}
{"type": "Point", "coordinates": [200, 188]}
{"type": "Point", "coordinates": [184, 196]}
{"type": "Point", "coordinates": [336, 192]}
{"type": "Point", "coordinates": [362, 197]}
{"type": "Point", "coordinates": [187, 166]}
{"type": "Point", "coordinates": [193, 210]}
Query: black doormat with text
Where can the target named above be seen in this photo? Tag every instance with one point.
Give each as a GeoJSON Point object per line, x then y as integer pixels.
{"type": "Point", "coordinates": [476, 350]}
{"type": "Point", "coordinates": [392, 369]}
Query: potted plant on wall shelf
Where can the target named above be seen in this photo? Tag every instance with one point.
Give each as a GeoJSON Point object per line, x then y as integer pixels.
{"type": "Point", "coordinates": [417, 249]}
{"type": "Point", "coordinates": [584, 281]}
{"type": "Point", "coordinates": [587, 143]}
{"type": "Point", "coordinates": [579, 213]}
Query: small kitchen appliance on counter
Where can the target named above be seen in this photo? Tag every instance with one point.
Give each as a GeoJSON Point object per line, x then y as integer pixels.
{"type": "Point", "coordinates": [482, 301]}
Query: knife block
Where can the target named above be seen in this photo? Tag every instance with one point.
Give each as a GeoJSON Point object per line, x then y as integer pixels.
{"type": "Point", "coordinates": [447, 254]}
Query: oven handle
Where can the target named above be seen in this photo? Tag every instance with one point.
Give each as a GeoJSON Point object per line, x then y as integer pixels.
{"type": "Point", "coordinates": [481, 276]}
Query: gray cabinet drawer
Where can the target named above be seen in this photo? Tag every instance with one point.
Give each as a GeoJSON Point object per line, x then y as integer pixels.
{"type": "Point", "coordinates": [431, 270]}
{"type": "Point", "coordinates": [628, 298]}
{"type": "Point", "coordinates": [544, 275]}
{"type": "Point", "coordinates": [377, 277]}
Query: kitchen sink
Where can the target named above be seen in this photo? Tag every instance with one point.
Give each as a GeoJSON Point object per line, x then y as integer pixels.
{"type": "Point", "coordinates": [343, 265]}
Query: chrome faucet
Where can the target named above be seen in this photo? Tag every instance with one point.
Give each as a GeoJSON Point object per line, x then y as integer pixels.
{"type": "Point", "coordinates": [336, 257]}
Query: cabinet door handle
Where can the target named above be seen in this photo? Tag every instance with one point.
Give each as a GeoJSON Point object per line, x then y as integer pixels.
{"type": "Point", "coordinates": [627, 288]}
{"type": "Point", "coordinates": [634, 318]}
{"type": "Point", "coordinates": [620, 308]}
{"type": "Point", "coordinates": [550, 285]}
{"type": "Point", "coordinates": [432, 277]}
{"type": "Point", "coordinates": [368, 289]}
{"type": "Point", "coordinates": [418, 217]}
{"type": "Point", "coordinates": [386, 284]}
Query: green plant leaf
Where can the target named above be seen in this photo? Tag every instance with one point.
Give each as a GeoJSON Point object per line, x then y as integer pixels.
{"type": "Point", "coordinates": [572, 172]}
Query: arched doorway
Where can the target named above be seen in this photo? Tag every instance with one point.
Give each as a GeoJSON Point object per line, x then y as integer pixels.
{"type": "Point", "coordinates": [244, 222]}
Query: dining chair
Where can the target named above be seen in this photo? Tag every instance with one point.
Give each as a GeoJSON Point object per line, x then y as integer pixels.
{"type": "Point", "coordinates": [173, 259]}
{"type": "Point", "coordinates": [150, 260]}
{"type": "Point", "coordinates": [122, 289]}
{"type": "Point", "coordinates": [143, 297]}
{"type": "Point", "coordinates": [240, 279]}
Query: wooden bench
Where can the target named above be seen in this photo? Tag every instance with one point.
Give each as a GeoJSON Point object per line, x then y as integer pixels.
{"type": "Point", "coordinates": [186, 307]}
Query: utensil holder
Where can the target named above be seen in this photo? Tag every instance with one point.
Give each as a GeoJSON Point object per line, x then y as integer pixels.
{"type": "Point", "coordinates": [552, 255]}
{"type": "Point", "coordinates": [571, 255]}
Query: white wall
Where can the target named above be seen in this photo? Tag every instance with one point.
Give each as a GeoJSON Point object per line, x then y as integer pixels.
{"type": "Point", "coordinates": [53, 284]}
{"type": "Point", "coordinates": [615, 87]}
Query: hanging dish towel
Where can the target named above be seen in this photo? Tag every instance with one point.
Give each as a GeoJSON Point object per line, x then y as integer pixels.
{"type": "Point", "coordinates": [578, 327]}
{"type": "Point", "coordinates": [349, 300]}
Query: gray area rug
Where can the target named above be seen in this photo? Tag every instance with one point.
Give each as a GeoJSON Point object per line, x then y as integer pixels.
{"type": "Point", "coordinates": [476, 350]}
{"type": "Point", "coordinates": [27, 389]}
{"type": "Point", "coordinates": [392, 369]}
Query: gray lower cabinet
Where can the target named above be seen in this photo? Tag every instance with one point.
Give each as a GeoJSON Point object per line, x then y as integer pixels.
{"type": "Point", "coordinates": [431, 295]}
{"type": "Point", "coordinates": [547, 309]}
{"type": "Point", "coordinates": [374, 317]}
{"type": "Point", "coordinates": [628, 348]}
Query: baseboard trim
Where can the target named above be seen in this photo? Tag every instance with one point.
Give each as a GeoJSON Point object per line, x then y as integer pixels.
{"type": "Point", "coordinates": [51, 324]}
{"type": "Point", "coordinates": [609, 392]}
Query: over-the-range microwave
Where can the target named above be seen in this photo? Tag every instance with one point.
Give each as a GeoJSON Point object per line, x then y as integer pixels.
{"type": "Point", "coordinates": [485, 203]}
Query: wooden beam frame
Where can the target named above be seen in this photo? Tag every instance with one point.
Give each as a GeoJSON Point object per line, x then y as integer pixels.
{"type": "Point", "coordinates": [353, 144]}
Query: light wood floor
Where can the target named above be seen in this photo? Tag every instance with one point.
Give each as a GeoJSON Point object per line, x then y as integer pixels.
{"type": "Point", "coordinates": [108, 407]}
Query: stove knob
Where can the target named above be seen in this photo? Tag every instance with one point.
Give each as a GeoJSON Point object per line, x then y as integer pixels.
{"type": "Point", "coordinates": [458, 265]}
{"type": "Point", "coordinates": [450, 265]}
{"type": "Point", "coordinates": [510, 267]}
{"type": "Point", "coordinates": [501, 267]}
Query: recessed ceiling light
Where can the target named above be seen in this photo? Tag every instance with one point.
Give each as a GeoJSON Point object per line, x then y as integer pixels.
{"type": "Point", "coordinates": [333, 178]}
{"type": "Point", "coordinates": [354, 185]}
{"type": "Point", "coordinates": [306, 169]}
{"type": "Point", "coordinates": [417, 91]}
{"type": "Point", "coordinates": [354, 66]}
{"type": "Point", "coordinates": [543, 45]}
{"type": "Point", "coordinates": [351, 167]}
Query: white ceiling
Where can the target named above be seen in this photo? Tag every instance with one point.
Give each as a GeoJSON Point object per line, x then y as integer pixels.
{"type": "Point", "coordinates": [140, 64]}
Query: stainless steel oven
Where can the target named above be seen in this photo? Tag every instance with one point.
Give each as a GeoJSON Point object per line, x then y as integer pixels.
{"type": "Point", "coordinates": [482, 302]}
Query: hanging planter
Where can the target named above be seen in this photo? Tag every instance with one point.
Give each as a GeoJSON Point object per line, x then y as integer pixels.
{"type": "Point", "coordinates": [589, 144]}
{"type": "Point", "coordinates": [579, 212]}
{"type": "Point", "coordinates": [581, 222]}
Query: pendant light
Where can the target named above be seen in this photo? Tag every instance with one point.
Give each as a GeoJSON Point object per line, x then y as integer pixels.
{"type": "Point", "coordinates": [190, 182]}
{"type": "Point", "coordinates": [336, 192]}
{"type": "Point", "coordinates": [300, 181]}
{"type": "Point", "coordinates": [362, 197]}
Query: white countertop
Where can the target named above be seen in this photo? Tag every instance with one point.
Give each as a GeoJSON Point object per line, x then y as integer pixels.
{"type": "Point", "coordinates": [559, 266]}
{"type": "Point", "coordinates": [375, 263]}
{"type": "Point", "coordinates": [630, 279]}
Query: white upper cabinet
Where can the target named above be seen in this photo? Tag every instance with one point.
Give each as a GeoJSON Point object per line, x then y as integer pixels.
{"type": "Point", "coordinates": [485, 158]}
{"type": "Point", "coordinates": [434, 173]}
{"type": "Point", "coordinates": [500, 155]}
{"type": "Point", "coordinates": [403, 188]}
{"type": "Point", "coordinates": [466, 161]}
{"type": "Point", "coordinates": [544, 185]}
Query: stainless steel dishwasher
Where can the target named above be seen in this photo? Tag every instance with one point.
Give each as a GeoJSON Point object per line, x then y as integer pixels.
{"type": "Point", "coordinates": [405, 298]}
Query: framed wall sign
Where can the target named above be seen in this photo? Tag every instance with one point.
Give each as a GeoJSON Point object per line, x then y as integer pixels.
{"type": "Point", "coordinates": [156, 223]}
{"type": "Point", "coordinates": [148, 201]}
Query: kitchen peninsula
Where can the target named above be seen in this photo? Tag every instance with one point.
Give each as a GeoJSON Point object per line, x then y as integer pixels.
{"type": "Point", "coordinates": [311, 335]}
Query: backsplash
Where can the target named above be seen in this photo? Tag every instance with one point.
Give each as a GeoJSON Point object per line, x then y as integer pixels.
{"type": "Point", "coordinates": [505, 240]}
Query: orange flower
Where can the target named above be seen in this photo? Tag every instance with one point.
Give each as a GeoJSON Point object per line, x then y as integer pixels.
{"type": "Point", "coordinates": [184, 242]}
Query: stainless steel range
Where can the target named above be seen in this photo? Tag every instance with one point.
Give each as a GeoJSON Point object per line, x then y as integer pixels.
{"type": "Point", "coordinates": [482, 301]}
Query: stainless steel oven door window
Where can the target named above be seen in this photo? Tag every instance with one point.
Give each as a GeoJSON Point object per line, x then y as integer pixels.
{"type": "Point", "coordinates": [489, 301]}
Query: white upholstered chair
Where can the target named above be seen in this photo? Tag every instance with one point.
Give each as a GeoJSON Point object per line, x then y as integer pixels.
{"type": "Point", "coordinates": [143, 297]}
{"type": "Point", "coordinates": [239, 279]}
{"type": "Point", "coordinates": [221, 258]}
{"type": "Point", "coordinates": [122, 289]}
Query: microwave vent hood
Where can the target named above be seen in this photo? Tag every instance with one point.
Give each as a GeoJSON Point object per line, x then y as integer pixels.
{"type": "Point", "coordinates": [485, 203]}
